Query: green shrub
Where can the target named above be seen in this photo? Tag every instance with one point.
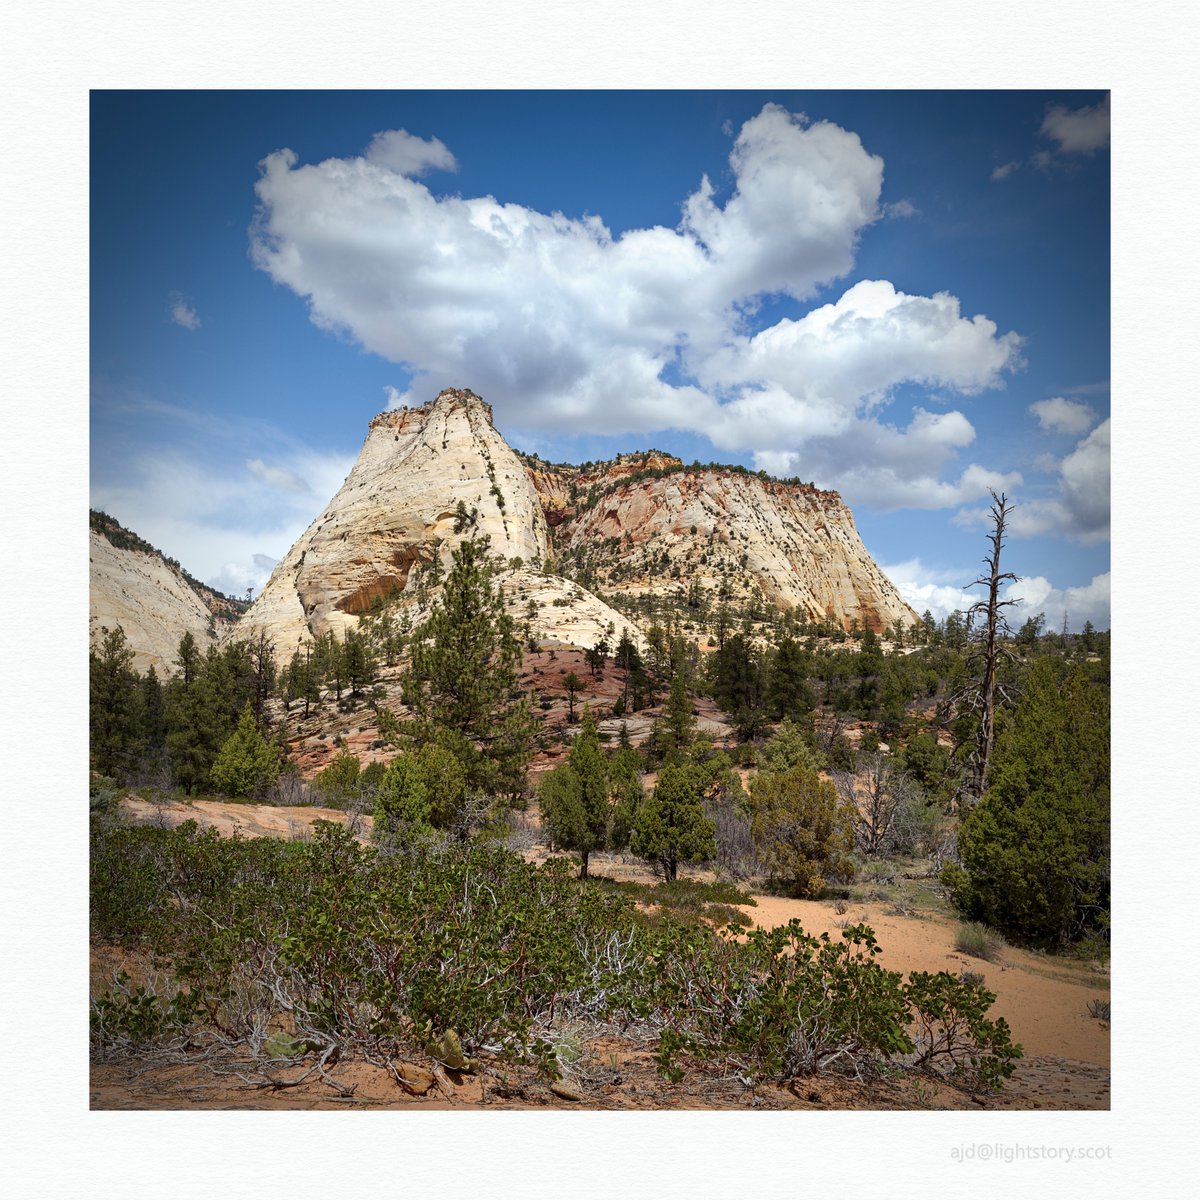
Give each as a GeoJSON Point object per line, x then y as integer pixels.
{"type": "Point", "coordinates": [338, 782]}
{"type": "Point", "coordinates": [393, 949]}
{"type": "Point", "coordinates": [950, 1028]}
{"type": "Point", "coordinates": [247, 764]}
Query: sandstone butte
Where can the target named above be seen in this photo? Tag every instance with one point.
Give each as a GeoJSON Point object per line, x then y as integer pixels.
{"type": "Point", "coordinates": [643, 524]}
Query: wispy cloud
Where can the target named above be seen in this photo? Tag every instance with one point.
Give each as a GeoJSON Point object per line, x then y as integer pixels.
{"type": "Point", "coordinates": [182, 312]}
{"type": "Point", "coordinates": [1075, 131]}
{"type": "Point", "coordinates": [1079, 130]}
{"type": "Point", "coordinates": [900, 209]}
{"type": "Point", "coordinates": [277, 477]}
{"type": "Point", "coordinates": [228, 519]}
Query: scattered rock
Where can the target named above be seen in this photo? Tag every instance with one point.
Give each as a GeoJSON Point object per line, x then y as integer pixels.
{"type": "Point", "coordinates": [415, 1080]}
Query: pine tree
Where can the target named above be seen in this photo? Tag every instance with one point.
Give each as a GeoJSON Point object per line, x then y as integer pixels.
{"type": "Point", "coordinates": [261, 657]}
{"type": "Point", "coordinates": [573, 686]}
{"type": "Point", "coordinates": [338, 782]}
{"type": "Point", "coordinates": [188, 659]}
{"type": "Point", "coordinates": [575, 805]}
{"type": "Point", "coordinates": [625, 784]}
{"type": "Point", "coordinates": [677, 729]}
{"type": "Point", "coordinates": [359, 662]}
{"type": "Point", "coordinates": [201, 715]}
{"type": "Point", "coordinates": [788, 691]}
{"type": "Point", "coordinates": [114, 705]}
{"type": "Point", "coordinates": [153, 713]}
{"type": "Point", "coordinates": [462, 683]}
{"type": "Point", "coordinates": [247, 764]}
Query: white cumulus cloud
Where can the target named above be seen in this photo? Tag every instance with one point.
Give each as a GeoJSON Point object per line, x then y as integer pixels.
{"type": "Point", "coordinates": [1080, 510]}
{"type": "Point", "coordinates": [1090, 602]}
{"type": "Point", "coordinates": [1059, 415]}
{"type": "Point", "coordinates": [563, 326]}
{"type": "Point", "coordinates": [941, 593]}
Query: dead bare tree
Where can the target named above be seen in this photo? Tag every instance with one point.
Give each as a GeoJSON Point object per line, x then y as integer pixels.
{"type": "Point", "coordinates": [986, 651]}
{"type": "Point", "coordinates": [879, 793]}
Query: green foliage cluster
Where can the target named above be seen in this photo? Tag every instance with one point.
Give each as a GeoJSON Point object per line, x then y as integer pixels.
{"type": "Point", "coordinates": [205, 700]}
{"type": "Point", "coordinates": [247, 764]}
{"type": "Point", "coordinates": [671, 826]}
{"type": "Point", "coordinates": [337, 783]}
{"type": "Point", "coordinates": [803, 831]}
{"type": "Point", "coordinates": [1035, 850]}
{"type": "Point", "coordinates": [781, 1003]}
{"type": "Point", "coordinates": [421, 790]}
{"type": "Point", "coordinates": [140, 725]}
{"type": "Point", "coordinates": [577, 799]}
{"type": "Point", "coordinates": [385, 951]}
{"type": "Point", "coordinates": [462, 681]}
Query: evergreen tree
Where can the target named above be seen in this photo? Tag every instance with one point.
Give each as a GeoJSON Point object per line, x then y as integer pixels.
{"type": "Point", "coordinates": [201, 715]}
{"type": "Point", "coordinates": [115, 712]}
{"type": "Point", "coordinates": [625, 784]}
{"type": "Point", "coordinates": [575, 806]}
{"type": "Point", "coordinates": [671, 827]}
{"type": "Point", "coordinates": [338, 782]}
{"type": "Point", "coordinates": [788, 691]}
{"type": "Point", "coordinates": [803, 832]}
{"type": "Point", "coordinates": [677, 729]}
{"type": "Point", "coordinates": [1035, 850]}
{"type": "Point", "coordinates": [789, 746]}
{"type": "Point", "coordinates": [188, 659]}
{"type": "Point", "coordinates": [927, 763]}
{"type": "Point", "coordinates": [329, 662]}
{"type": "Point", "coordinates": [247, 764]}
{"type": "Point", "coordinates": [404, 800]}
{"type": "Point", "coordinates": [153, 713]}
{"type": "Point", "coordinates": [573, 685]}
{"type": "Point", "coordinates": [260, 655]}
{"type": "Point", "coordinates": [738, 685]}
{"type": "Point", "coordinates": [358, 661]}
{"type": "Point", "coordinates": [462, 682]}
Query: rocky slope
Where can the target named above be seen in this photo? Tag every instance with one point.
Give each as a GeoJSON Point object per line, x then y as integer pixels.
{"type": "Point", "coordinates": [148, 598]}
{"type": "Point", "coordinates": [647, 524]}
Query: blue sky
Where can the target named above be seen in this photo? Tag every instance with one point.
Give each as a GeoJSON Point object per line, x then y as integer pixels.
{"type": "Point", "coordinates": [901, 295]}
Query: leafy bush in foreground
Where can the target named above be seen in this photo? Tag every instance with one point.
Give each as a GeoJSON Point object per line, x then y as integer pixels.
{"type": "Point", "coordinates": [376, 950]}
